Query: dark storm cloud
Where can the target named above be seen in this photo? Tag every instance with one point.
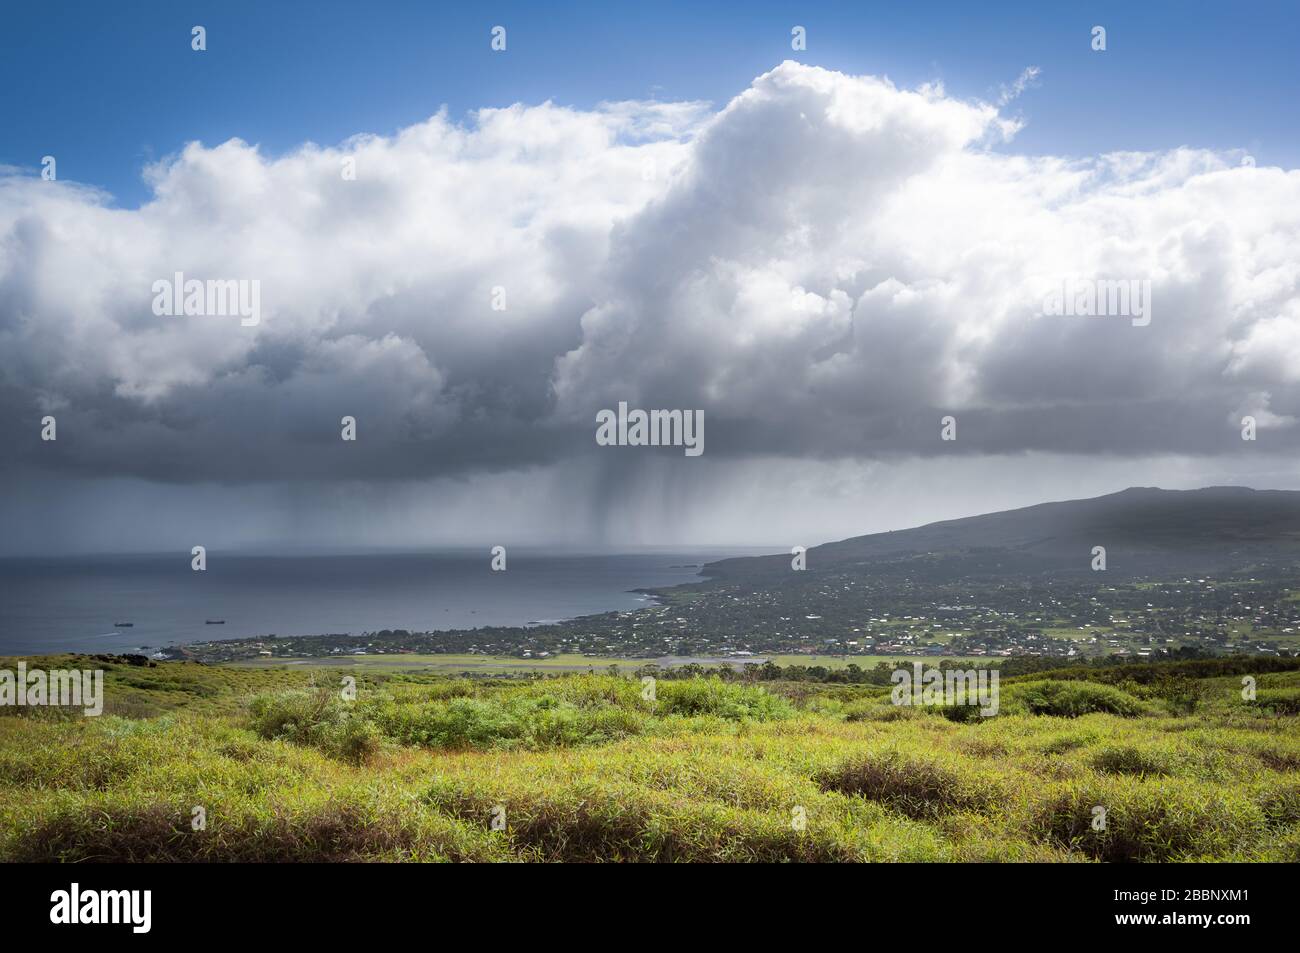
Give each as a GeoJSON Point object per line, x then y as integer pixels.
{"type": "Point", "coordinates": [826, 267]}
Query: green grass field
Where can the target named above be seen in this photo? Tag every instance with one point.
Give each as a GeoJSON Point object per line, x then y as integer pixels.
{"type": "Point", "coordinates": [449, 663]}
{"type": "Point", "coordinates": [464, 663]}
{"type": "Point", "coordinates": [422, 767]}
{"type": "Point", "coordinates": [836, 662]}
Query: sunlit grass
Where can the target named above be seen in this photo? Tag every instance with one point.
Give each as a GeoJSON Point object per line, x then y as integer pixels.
{"type": "Point", "coordinates": [592, 768]}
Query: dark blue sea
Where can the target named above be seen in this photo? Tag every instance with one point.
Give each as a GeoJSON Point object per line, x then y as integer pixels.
{"type": "Point", "coordinates": [72, 604]}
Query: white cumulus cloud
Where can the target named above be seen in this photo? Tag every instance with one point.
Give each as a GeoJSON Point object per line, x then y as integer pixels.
{"type": "Point", "coordinates": [825, 265]}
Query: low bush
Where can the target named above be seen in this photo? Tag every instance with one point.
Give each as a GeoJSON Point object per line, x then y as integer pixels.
{"type": "Point", "coordinates": [919, 787]}
{"type": "Point", "coordinates": [1165, 819]}
{"type": "Point", "coordinates": [1065, 699]}
{"type": "Point", "coordinates": [319, 718]}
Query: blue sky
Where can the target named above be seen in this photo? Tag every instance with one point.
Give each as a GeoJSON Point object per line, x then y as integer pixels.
{"type": "Point", "coordinates": [828, 272]}
{"type": "Point", "coordinates": [107, 89]}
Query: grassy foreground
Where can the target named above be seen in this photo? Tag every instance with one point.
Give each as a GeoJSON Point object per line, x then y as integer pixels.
{"type": "Point", "coordinates": [457, 663]}
{"type": "Point", "coordinates": [581, 767]}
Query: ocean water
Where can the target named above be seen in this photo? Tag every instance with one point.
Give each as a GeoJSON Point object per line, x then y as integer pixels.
{"type": "Point", "coordinates": [71, 604]}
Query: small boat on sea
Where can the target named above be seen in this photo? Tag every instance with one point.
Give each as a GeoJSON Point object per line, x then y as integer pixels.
{"type": "Point", "coordinates": [214, 621]}
{"type": "Point", "coordinates": [123, 625]}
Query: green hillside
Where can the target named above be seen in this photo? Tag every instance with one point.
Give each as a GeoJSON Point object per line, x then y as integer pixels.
{"type": "Point", "coordinates": [424, 767]}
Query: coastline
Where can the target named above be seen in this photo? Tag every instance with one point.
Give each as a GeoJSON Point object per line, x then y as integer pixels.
{"type": "Point", "coordinates": [84, 604]}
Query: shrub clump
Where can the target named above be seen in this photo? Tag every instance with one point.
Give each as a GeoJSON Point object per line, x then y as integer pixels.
{"type": "Point", "coordinates": [346, 828]}
{"type": "Point", "coordinates": [1130, 759]}
{"type": "Point", "coordinates": [570, 713]}
{"type": "Point", "coordinates": [1071, 699]}
{"type": "Point", "coordinates": [920, 788]}
{"type": "Point", "coordinates": [1164, 819]}
{"type": "Point", "coordinates": [1278, 701]}
{"type": "Point", "coordinates": [517, 722]}
{"type": "Point", "coordinates": [320, 719]}
{"type": "Point", "coordinates": [712, 696]}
